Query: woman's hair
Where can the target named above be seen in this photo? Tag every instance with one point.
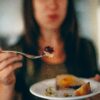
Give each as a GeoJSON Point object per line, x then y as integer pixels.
{"type": "Point", "coordinates": [69, 31]}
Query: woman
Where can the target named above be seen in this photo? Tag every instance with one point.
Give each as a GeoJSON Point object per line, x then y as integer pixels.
{"type": "Point", "coordinates": [47, 23]}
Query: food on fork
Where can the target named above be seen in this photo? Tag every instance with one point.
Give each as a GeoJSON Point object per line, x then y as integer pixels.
{"type": "Point", "coordinates": [64, 81]}
{"type": "Point", "coordinates": [83, 90]}
{"type": "Point", "coordinates": [48, 51]}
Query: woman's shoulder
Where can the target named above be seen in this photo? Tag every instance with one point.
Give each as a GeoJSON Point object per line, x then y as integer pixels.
{"type": "Point", "coordinates": [86, 42]}
{"type": "Point", "coordinates": [87, 50]}
{"type": "Point", "coordinates": [87, 46]}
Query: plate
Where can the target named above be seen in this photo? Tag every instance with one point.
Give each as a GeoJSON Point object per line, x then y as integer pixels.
{"type": "Point", "coordinates": [41, 89]}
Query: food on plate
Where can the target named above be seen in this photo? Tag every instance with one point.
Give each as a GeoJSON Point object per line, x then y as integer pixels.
{"type": "Point", "coordinates": [48, 51]}
{"type": "Point", "coordinates": [83, 90]}
{"type": "Point", "coordinates": [50, 92]}
{"type": "Point", "coordinates": [68, 81]}
{"type": "Point", "coordinates": [67, 95]}
{"type": "Point", "coordinates": [68, 85]}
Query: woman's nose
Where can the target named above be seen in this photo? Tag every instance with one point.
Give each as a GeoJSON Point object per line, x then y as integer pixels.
{"type": "Point", "coordinates": [53, 5]}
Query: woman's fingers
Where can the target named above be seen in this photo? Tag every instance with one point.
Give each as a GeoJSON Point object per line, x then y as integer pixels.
{"type": "Point", "coordinates": [5, 73]}
{"type": "Point", "coordinates": [12, 68]}
{"type": "Point", "coordinates": [8, 61]}
{"type": "Point", "coordinates": [97, 77]}
{"type": "Point", "coordinates": [4, 56]}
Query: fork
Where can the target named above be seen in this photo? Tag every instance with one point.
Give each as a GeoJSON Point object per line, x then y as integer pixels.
{"type": "Point", "coordinates": [26, 55]}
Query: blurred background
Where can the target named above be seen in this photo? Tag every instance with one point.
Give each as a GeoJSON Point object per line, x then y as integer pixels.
{"type": "Point", "coordinates": [11, 21]}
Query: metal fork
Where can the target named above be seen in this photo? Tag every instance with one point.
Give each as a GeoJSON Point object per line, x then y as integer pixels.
{"type": "Point", "coordinates": [26, 55]}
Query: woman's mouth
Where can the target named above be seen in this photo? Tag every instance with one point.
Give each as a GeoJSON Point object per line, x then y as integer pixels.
{"type": "Point", "coordinates": [53, 17]}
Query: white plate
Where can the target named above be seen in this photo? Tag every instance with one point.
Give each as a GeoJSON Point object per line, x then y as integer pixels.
{"type": "Point", "coordinates": [39, 90]}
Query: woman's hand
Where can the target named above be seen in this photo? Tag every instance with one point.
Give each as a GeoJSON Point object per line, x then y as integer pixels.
{"type": "Point", "coordinates": [9, 62]}
{"type": "Point", "coordinates": [97, 77]}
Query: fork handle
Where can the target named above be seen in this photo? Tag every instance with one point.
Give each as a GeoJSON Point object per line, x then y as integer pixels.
{"type": "Point", "coordinates": [24, 54]}
{"type": "Point", "coordinates": [7, 51]}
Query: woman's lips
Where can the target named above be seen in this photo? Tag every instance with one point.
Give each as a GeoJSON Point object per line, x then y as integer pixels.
{"type": "Point", "coordinates": [53, 17]}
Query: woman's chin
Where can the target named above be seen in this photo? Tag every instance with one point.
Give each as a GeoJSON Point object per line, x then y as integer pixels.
{"type": "Point", "coordinates": [52, 26]}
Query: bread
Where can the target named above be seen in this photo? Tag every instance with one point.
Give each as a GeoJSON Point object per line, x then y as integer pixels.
{"type": "Point", "coordinates": [83, 90]}
{"type": "Point", "coordinates": [68, 81]}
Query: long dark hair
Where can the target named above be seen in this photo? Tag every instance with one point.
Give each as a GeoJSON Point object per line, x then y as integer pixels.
{"type": "Point", "coordinates": [69, 31]}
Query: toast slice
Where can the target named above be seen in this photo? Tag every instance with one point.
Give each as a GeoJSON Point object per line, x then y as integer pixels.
{"type": "Point", "coordinates": [68, 81]}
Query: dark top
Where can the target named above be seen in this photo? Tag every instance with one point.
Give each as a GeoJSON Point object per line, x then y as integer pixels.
{"type": "Point", "coordinates": [85, 66]}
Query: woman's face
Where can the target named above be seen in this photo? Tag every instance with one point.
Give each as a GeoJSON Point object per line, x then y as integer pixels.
{"type": "Point", "coordinates": [49, 14]}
